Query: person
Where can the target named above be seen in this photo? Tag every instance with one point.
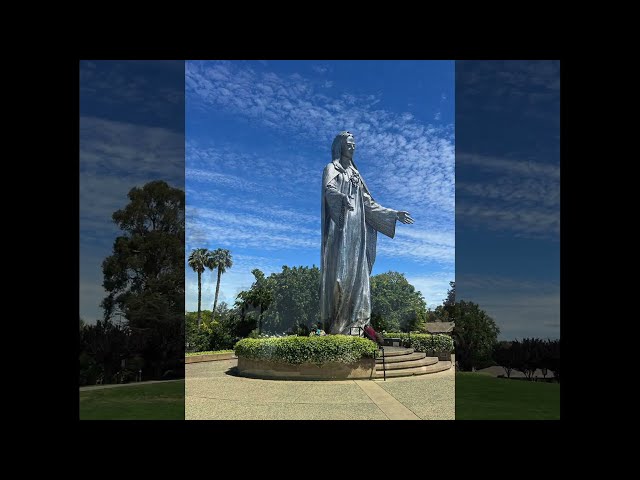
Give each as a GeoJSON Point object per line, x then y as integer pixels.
{"type": "Point", "coordinates": [319, 331]}
{"type": "Point", "coordinates": [351, 220]}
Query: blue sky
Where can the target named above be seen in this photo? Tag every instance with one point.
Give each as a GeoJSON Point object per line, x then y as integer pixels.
{"type": "Point", "coordinates": [508, 193]}
{"type": "Point", "coordinates": [258, 136]}
{"type": "Point", "coordinates": [131, 132]}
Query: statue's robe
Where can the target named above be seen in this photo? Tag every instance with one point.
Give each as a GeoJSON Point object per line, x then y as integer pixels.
{"type": "Point", "coordinates": [348, 247]}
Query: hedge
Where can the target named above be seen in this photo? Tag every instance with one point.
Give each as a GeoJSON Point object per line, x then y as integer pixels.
{"type": "Point", "coordinates": [211, 352]}
{"type": "Point", "coordinates": [317, 350]}
{"type": "Point", "coordinates": [424, 342]}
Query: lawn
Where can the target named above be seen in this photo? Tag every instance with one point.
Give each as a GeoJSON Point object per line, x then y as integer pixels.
{"type": "Point", "coordinates": [483, 397]}
{"type": "Point", "coordinates": [155, 401]}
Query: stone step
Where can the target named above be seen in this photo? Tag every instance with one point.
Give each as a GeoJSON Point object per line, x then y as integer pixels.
{"type": "Point", "coordinates": [394, 351]}
{"type": "Point", "coordinates": [422, 362]}
{"type": "Point", "coordinates": [401, 358]}
{"type": "Point", "coordinates": [407, 372]}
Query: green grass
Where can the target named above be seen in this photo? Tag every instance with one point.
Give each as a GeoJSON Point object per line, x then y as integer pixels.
{"type": "Point", "coordinates": [154, 401]}
{"type": "Point", "coordinates": [210, 352]}
{"type": "Point", "coordinates": [482, 397]}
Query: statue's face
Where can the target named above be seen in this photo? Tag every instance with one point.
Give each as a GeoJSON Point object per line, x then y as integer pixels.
{"type": "Point", "coordinates": [349, 147]}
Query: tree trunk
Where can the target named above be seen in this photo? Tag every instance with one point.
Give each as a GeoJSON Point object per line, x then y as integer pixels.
{"type": "Point", "coordinates": [215, 300]}
{"type": "Point", "coordinates": [199, 296]}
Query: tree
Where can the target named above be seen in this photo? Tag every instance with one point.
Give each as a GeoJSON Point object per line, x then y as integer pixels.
{"type": "Point", "coordinates": [295, 298]}
{"type": "Point", "coordinates": [220, 259]}
{"type": "Point", "coordinates": [504, 355]}
{"type": "Point", "coordinates": [475, 333]}
{"type": "Point", "coordinates": [395, 303]}
{"type": "Point", "coordinates": [145, 273]}
{"type": "Point", "coordinates": [198, 262]}
{"type": "Point", "coordinates": [445, 312]}
{"type": "Point", "coordinates": [259, 296]}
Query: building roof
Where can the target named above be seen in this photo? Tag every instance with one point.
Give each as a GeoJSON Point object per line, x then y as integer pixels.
{"type": "Point", "coordinates": [440, 327]}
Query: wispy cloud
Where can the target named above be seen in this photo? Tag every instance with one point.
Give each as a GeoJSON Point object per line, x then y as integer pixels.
{"type": "Point", "coordinates": [519, 196]}
{"type": "Point", "coordinates": [433, 287]}
{"type": "Point", "coordinates": [114, 158]}
{"type": "Point", "coordinates": [523, 88]}
{"type": "Point", "coordinates": [320, 69]}
{"type": "Point", "coordinates": [416, 159]}
{"type": "Point", "coordinates": [129, 84]}
{"type": "Point", "coordinates": [267, 198]}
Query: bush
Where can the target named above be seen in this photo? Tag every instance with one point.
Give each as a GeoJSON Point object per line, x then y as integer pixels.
{"type": "Point", "coordinates": [208, 352]}
{"type": "Point", "coordinates": [317, 350]}
{"type": "Point", "coordinates": [425, 342]}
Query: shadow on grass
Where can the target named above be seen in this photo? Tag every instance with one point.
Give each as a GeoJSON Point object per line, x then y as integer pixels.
{"type": "Point", "coordinates": [483, 397]}
{"type": "Point", "coordinates": [156, 401]}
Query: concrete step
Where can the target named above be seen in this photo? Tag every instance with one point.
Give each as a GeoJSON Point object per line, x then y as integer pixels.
{"type": "Point", "coordinates": [401, 358]}
{"type": "Point", "coordinates": [422, 362]}
{"type": "Point", "coordinates": [407, 372]}
{"type": "Point", "coordinates": [394, 351]}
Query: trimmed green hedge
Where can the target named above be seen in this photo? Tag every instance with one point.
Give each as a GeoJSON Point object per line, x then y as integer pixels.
{"type": "Point", "coordinates": [297, 350]}
{"type": "Point", "coordinates": [424, 342]}
{"type": "Point", "coordinates": [192, 354]}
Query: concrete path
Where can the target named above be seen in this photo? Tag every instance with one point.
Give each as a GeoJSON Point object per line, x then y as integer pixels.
{"type": "Point", "coordinates": [214, 392]}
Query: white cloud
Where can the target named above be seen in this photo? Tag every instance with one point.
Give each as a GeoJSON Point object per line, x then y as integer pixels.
{"type": "Point", "coordinates": [520, 196]}
{"type": "Point", "coordinates": [416, 159]}
{"type": "Point", "coordinates": [434, 287]}
{"type": "Point", "coordinates": [115, 157]}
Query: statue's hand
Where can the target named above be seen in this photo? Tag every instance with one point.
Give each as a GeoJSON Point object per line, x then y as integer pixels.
{"type": "Point", "coordinates": [404, 217]}
{"type": "Point", "coordinates": [347, 201]}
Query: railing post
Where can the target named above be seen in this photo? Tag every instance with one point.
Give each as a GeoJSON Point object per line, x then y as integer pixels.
{"type": "Point", "coordinates": [384, 366]}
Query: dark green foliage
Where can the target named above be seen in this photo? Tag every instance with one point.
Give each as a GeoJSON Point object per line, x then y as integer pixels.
{"type": "Point", "coordinates": [294, 298]}
{"type": "Point", "coordinates": [220, 260]}
{"type": "Point", "coordinates": [504, 355]}
{"type": "Point", "coordinates": [145, 276]}
{"type": "Point", "coordinates": [424, 342]}
{"type": "Point", "coordinates": [198, 261]}
{"type": "Point", "coordinates": [218, 334]}
{"type": "Point", "coordinates": [103, 346]}
{"type": "Point", "coordinates": [258, 297]}
{"type": "Point", "coordinates": [317, 350]}
{"type": "Point", "coordinates": [475, 333]}
{"type": "Point", "coordinates": [395, 303]}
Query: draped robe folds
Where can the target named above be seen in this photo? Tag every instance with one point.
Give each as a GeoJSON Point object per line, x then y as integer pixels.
{"type": "Point", "coordinates": [349, 247]}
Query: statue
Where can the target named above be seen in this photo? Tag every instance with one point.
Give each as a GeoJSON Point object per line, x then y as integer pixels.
{"type": "Point", "coordinates": [351, 220]}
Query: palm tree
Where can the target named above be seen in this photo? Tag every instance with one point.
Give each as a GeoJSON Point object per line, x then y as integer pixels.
{"type": "Point", "coordinates": [198, 261]}
{"type": "Point", "coordinates": [220, 259]}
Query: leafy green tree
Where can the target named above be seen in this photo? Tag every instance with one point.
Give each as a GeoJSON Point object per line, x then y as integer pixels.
{"type": "Point", "coordinates": [446, 311]}
{"type": "Point", "coordinates": [259, 296]}
{"type": "Point", "coordinates": [504, 355]}
{"type": "Point", "coordinates": [105, 345]}
{"type": "Point", "coordinates": [221, 260]}
{"type": "Point", "coordinates": [395, 303]}
{"type": "Point", "coordinates": [295, 298]}
{"type": "Point", "coordinates": [145, 273]}
{"type": "Point", "coordinates": [198, 260]}
{"type": "Point", "coordinates": [475, 333]}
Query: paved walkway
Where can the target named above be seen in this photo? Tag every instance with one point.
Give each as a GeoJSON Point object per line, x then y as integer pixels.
{"type": "Point", "coordinates": [213, 392]}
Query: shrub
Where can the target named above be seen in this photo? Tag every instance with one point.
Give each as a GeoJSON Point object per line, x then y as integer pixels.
{"type": "Point", "coordinates": [208, 352]}
{"type": "Point", "coordinates": [425, 342]}
{"type": "Point", "coordinates": [317, 350]}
